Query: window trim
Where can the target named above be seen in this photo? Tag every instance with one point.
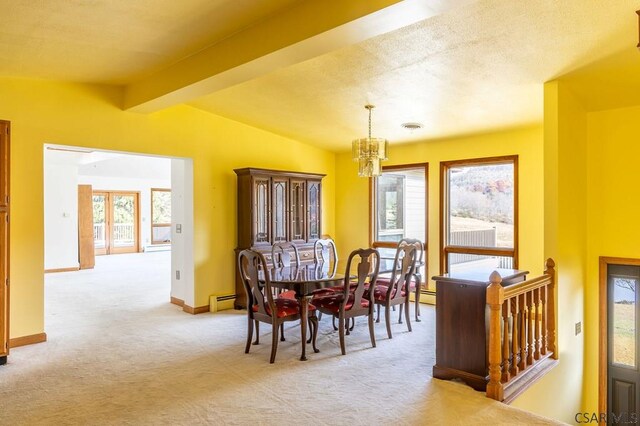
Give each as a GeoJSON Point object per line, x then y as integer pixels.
{"type": "Point", "coordinates": [372, 204]}
{"type": "Point", "coordinates": [444, 212]}
{"type": "Point", "coordinates": [157, 225]}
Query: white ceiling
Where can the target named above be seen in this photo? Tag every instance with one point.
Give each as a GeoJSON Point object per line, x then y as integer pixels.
{"type": "Point", "coordinates": [473, 68]}
{"type": "Point", "coordinates": [108, 164]}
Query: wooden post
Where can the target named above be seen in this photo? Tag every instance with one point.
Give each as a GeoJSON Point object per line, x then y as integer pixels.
{"type": "Point", "coordinates": [536, 325]}
{"type": "Point", "coordinates": [551, 308]}
{"type": "Point", "coordinates": [543, 312]}
{"type": "Point", "coordinates": [495, 297]}
{"type": "Point", "coordinates": [523, 332]}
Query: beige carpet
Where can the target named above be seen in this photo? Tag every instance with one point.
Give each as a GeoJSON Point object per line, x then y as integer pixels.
{"type": "Point", "coordinates": [118, 353]}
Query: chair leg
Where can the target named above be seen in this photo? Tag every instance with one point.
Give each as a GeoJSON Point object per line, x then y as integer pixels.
{"type": "Point", "coordinates": [417, 300]}
{"type": "Point", "coordinates": [341, 327]}
{"type": "Point", "coordinates": [249, 336]}
{"type": "Point", "coordinates": [387, 318]}
{"type": "Point", "coordinates": [371, 333]}
{"type": "Point", "coordinates": [274, 342]}
{"type": "Point", "coordinates": [333, 321]}
{"type": "Point", "coordinates": [319, 315]}
{"type": "Point", "coordinates": [314, 329]}
{"type": "Point", "coordinates": [378, 318]}
{"type": "Point", "coordinates": [282, 332]}
{"type": "Point", "coordinates": [407, 314]}
{"type": "Point", "coordinates": [257, 342]}
{"type": "Point", "coordinates": [400, 315]}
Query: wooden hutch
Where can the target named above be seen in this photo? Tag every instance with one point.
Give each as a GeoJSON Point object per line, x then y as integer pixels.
{"type": "Point", "coordinates": [276, 206]}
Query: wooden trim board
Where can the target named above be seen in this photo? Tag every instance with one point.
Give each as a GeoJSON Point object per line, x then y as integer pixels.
{"type": "Point", "coordinates": [177, 301]}
{"type": "Point", "coordinates": [27, 340]}
{"type": "Point", "coordinates": [72, 269]}
{"type": "Point", "coordinates": [195, 311]}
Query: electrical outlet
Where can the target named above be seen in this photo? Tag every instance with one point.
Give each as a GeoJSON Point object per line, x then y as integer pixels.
{"type": "Point", "coordinates": [578, 327]}
{"type": "Point", "coordinates": [178, 228]}
{"type": "Point", "coordinates": [177, 275]}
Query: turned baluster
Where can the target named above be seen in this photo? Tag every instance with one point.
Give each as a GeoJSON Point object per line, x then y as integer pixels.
{"type": "Point", "coordinates": [514, 337]}
{"type": "Point", "coordinates": [537, 315]}
{"type": "Point", "coordinates": [523, 333]}
{"type": "Point", "coordinates": [543, 303]}
{"type": "Point", "coordinates": [494, 298]}
{"type": "Point", "coordinates": [530, 319]}
{"type": "Point", "coordinates": [551, 308]}
{"type": "Point", "coordinates": [505, 342]}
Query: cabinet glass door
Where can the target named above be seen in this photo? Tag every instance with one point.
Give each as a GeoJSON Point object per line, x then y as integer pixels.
{"type": "Point", "coordinates": [261, 210]}
{"type": "Point", "coordinates": [314, 210]}
{"type": "Point", "coordinates": [280, 217]}
{"type": "Point", "coordinates": [298, 210]}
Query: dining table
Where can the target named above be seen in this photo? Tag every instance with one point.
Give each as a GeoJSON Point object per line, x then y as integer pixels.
{"type": "Point", "coordinates": [304, 279]}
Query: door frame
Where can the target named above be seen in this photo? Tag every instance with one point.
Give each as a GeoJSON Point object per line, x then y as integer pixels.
{"type": "Point", "coordinates": [604, 325]}
{"type": "Point", "coordinates": [109, 221]}
{"type": "Point", "coordinates": [5, 178]}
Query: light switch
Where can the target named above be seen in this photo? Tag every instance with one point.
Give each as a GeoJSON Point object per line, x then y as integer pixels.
{"type": "Point", "coordinates": [178, 228]}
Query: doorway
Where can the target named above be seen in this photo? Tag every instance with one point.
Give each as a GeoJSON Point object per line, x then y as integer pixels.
{"type": "Point", "coordinates": [116, 222]}
{"type": "Point", "coordinates": [619, 342]}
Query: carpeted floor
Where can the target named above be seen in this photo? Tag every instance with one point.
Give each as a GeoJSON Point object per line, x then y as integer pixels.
{"type": "Point", "coordinates": [119, 353]}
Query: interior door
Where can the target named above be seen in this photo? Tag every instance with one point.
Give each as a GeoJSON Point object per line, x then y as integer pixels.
{"type": "Point", "coordinates": [116, 222]}
{"type": "Point", "coordinates": [623, 373]}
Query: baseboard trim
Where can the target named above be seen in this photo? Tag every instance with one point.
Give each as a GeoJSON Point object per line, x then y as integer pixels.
{"type": "Point", "coordinates": [177, 301]}
{"type": "Point", "coordinates": [27, 340]}
{"type": "Point", "coordinates": [72, 269]}
{"type": "Point", "coordinates": [195, 311]}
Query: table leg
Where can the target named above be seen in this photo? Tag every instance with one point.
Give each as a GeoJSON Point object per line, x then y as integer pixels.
{"type": "Point", "coordinates": [304, 315]}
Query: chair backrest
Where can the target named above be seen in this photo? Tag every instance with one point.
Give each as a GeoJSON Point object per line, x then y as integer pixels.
{"type": "Point", "coordinates": [281, 254]}
{"type": "Point", "coordinates": [414, 241]}
{"type": "Point", "coordinates": [404, 265]}
{"type": "Point", "coordinates": [326, 252]}
{"type": "Point", "coordinates": [367, 268]}
{"type": "Point", "coordinates": [252, 265]}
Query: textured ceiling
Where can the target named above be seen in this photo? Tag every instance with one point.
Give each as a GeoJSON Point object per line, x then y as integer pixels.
{"type": "Point", "coordinates": [476, 67]}
{"type": "Point", "coordinates": [115, 41]}
{"type": "Point", "coordinates": [472, 69]}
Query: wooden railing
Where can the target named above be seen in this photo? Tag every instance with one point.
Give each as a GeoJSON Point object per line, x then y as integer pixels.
{"type": "Point", "coordinates": [522, 334]}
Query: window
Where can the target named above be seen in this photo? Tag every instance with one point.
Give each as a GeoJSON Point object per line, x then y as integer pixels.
{"type": "Point", "coordinates": [480, 215]}
{"type": "Point", "coordinates": [160, 216]}
{"type": "Point", "coordinates": [399, 205]}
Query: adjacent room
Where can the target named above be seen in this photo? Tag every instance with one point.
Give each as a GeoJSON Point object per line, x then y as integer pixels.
{"type": "Point", "coordinates": [312, 211]}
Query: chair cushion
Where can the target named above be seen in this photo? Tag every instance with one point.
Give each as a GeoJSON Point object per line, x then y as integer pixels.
{"type": "Point", "coordinates": [289, 294]}
{"type": "Point", "coordinates": [332, 302]}
{"type": "Point", "coordinates": [380, 293]}
{"type": "Point", "coordinates": [284, 307]}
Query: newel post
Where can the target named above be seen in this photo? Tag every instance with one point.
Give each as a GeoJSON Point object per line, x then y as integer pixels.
{"type": "Point", "coordinates": [495, 298]}
{"type": "Point", "coordinates": [551, 307]}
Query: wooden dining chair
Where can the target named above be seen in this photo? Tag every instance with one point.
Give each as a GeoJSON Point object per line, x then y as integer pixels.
{"type": "Point", "coordinates": [283, 253]}
{"type": "Point", "coordinates": [262, 306]}
{"type": "Point", "coordinates": [351, 301]}
{"type": "Point", "coordinates": [394, 292]}
{"type": "Point", "coordinates": [416, 283]}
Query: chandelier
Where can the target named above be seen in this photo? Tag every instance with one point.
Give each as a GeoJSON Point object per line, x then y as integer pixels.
{"type": "Point", "coordinates": [368, 152]}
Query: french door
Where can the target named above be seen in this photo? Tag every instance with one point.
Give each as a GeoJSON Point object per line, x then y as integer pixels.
{"type": "Point", "coordinates": [115, 222]}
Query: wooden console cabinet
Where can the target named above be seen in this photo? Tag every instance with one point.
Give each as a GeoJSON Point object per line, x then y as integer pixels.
{"type": "Point", "coordinates": [4, 241]}
{"type": "Point", "coordinates": [462, 324]}
{"type": "Point", "coordinates": [277, 206]}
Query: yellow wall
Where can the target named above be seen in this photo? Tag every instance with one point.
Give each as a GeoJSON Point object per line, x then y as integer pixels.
{"type": "Point", "coordinates": [352, 192]}
{"type": "Point", "coordinates": [613, 205]}
{"type": "Point", "coordinates": [559, 393]}
{"type": "Point", "coordinates": [87, 115]}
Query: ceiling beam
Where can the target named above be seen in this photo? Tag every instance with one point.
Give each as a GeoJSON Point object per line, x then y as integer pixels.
{"type": "Point", "coordinates": [309, 29]}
